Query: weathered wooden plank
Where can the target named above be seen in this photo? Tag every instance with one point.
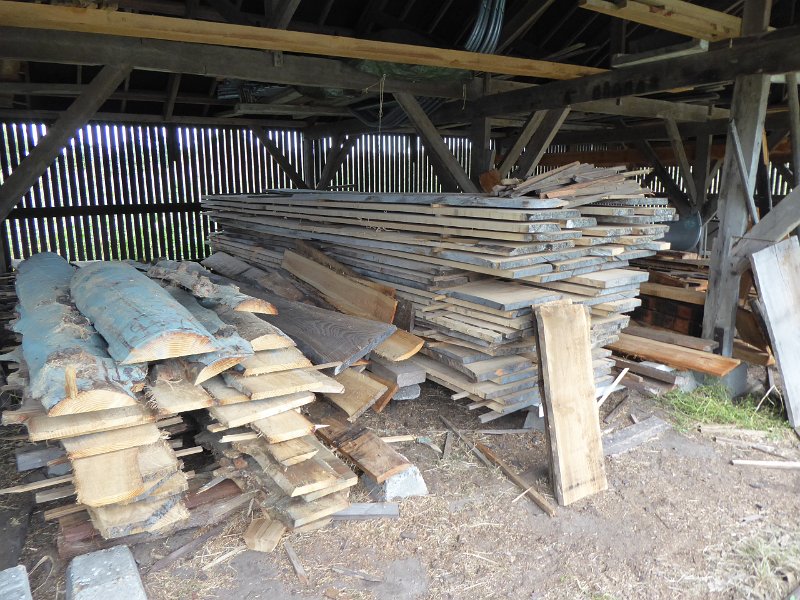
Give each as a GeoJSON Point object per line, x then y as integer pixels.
{"type": "Point", "coordinates": [674, 356]}
{"type": "Point", "coordinates": [360, 393]}
{"type": "Point", "coordinates": [573, 426]}
{"type": "Point", "coordinates": [777, 275]}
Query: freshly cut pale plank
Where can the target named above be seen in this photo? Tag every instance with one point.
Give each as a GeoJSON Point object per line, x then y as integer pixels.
{"type": "Point", "coordinates": [108, 478]}
{"type": "Point", "coordinates": [172, 392]}
{"type": "Point", "coordinates": [146, 323]}
{"type": "Point", "coordinates": [283, 426]}
{"type": "Point", "coordinates": [297, 512]}
{"type": "Point", "coordinates": [293, 451]}
{"type": "Point", "coordinates": [777, 274]}
{"type": "Point", "coordinates": [345, 476]}
{"type": "Point", "coordinates": [263, 535]}
{"type": "Point", "coordinates": [224, 394]}
{"type": "Point", "coordinates": [349, 296]}
{"type": "Point", "coordinates": [271, 385]}
{"type": "Point", "coordinates": [360, 393]}
{"type": "Point", "coordinates": [93, 444]}
{"type": "Point", "coordinates": [674, 356]}
{"type": "Point", "coordinates": [670, 292]}
{"type": "Point", "coordinates": [273, 361]}
{"type": "Point", "coordinates": [302, 478]}
{"type": "Point", "coordinates": [571, 416]}
{"type": "Point", "coordinates": [401, 345]}
{"type": "Point", "coordinates": [42, 427]}
{"type": "Point", "coordinates": [403, 373]}
{"type": "Point", "coordinates": [235, 415]}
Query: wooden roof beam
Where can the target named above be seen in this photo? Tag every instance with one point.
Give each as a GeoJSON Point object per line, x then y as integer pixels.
{"type": "Point", "coordinates": [676, 16]}
{"type": "Point", "coordinates": [90, 20]}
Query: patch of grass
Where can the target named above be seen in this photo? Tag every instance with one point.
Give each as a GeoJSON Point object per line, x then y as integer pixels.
{"type": "Point", "coordinates": [712, 404]}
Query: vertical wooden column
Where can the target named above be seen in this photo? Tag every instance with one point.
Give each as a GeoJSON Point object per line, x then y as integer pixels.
{"type": "Point", "coordinates": [794, 124]}
{"type": "Point", "coordinates": [481, 157]}
{"type": "Point", "coordinates": [747, 111]}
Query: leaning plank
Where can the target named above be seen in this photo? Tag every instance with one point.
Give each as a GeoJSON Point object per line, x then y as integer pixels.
{"type": "Point", "coordinates": [108, 478]}
{"type": "Point", "coordinates": [674, 356]}
{"type": "Point", "coordinates": [349, 296]}
{"type": "Point", "coordinates": [260, 334]}
{"type": "Point", "coordinates": [777, 275]}
{"type": "Point", "coordinates": [573, 426]}
{"type": "Point", "coordinates": [146, 323]}
{"type": "Point", "coordinates": [360, 393]}
{"type": "Point", "coordinates": [194, 278]}
{"type": "Point", "coordinates": [43, 427]}
{"type": "Point", "coordinates": [109, 441]}
{"type": "Point", "coordinates": [69, 368]}
{"type": "Point", "coordinates": [271, 385]}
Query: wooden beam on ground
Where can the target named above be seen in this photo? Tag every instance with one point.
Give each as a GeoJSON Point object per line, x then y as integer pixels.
{"type": "Point", "coordinates": [45, 152]}
{"type": "Point", "coordinates": [676, 16]}
{"type": "Point", "coordinates": [280, 158]}
{"type": "Point", "coordinates": [748, 110]}
{"type": "Point", "coordinates": [61, 18]}
{"type": "Point", "coordinates": [450, 172]}
{"type": "Point", "coordinates": [531, 125]}
{"type": "Point", "coordinates": [540, 142]}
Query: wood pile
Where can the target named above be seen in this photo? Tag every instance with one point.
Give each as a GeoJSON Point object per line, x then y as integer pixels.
{"type": "Point", "coordinates": [471, 267]}
{"type": "Point", "coordinates": [115, 357]}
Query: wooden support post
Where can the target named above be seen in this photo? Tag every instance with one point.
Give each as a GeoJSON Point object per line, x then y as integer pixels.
{"type": "Point", "coordinates": [280, 158]}
{"type": "Point", "coordinates": [450, 172]}
{"type": "Point", "coordinates": [540, 141]}
{"type": "Point", "coordinates": [172, 95]}
{"type": "Point", "coordinates": [794, 124]}
{"type": "Point", "coordinates": [308, 162]}
{"type": "Point", "coordinates": [681, 158]}
{"type": "Point", "coordinates": [747, 178]}
{"type": "Point", "coordinates": [701, 169]}
{"type": "Point", "coordinates": [481, 157]}
{"type": "Point", "coordinates": [748, 111]}
{"type": "Point", "coordinates": [335, 158]}
{"type": "Point", "coordinates": [76, 116]}
{"type": "Point", "coordinates": [530, 127]}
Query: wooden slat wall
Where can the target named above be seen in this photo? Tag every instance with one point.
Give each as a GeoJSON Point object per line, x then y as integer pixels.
{"type": "Point", "coordinates": [127, 191]}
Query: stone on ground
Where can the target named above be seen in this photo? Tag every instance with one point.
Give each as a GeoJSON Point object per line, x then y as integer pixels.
{"type": "Point", "coordinates": [14, 584]}
{"type": "Point", "coordinates": [103, 575]}
{"type": "Point", "coordinates": [405, 484]}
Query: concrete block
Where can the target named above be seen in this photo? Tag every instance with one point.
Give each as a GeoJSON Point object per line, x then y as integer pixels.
{"type": "Point", "coordinates": [409, 392]}
{"type": "Point", "coordinates": [33, 458]}
{"type": "Point", "coordinates": [406, 484]}
{"type": "Point", "coordinates": [14, 584]}
{"type": "Point", "coordinates": [105, 574]}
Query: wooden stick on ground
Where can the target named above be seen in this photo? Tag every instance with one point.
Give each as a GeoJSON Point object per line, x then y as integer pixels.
{"type": "Point", "coordinates": [540, 500]}
{"type": "Point", "coordinates": [469, 444]}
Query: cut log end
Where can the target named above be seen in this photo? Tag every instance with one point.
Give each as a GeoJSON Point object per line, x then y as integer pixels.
{"type": "Point", "coordinates": [208, 371]}
{"type": "Point", "coordinates": [255, 305]}
{"type": "Point", "coordinates": [175, 345]}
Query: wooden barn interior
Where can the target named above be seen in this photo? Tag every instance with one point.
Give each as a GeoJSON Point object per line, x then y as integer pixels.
{"type": "Point", "coordinates": [371, 299]}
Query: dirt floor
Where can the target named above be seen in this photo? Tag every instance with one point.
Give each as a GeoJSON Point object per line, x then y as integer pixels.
{"type": "Point", "coordinates": [678, 521]}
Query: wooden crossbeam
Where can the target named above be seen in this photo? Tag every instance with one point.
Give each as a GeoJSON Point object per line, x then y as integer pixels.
{"type": "Point", "coordinates": [676, 194]}
{"type": "Point", "coordinates": [45, 152]}
{"type": "Point", "coordinates": [336, 156]}
{"type": "Point", "coordinates": [679, 151]}
{"type": "Point", "coordinates": [280, 158]}
{"type": "Point", "coordinates": [672, 15]}
{"type": "Point", "coordinates": [62, 18]}
{"type": "Point", "coordinates": [450, 172]}
{"type": "Point", "coordinates": [530, 127]}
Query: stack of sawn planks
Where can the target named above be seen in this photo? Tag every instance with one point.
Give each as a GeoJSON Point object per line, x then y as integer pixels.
{"type": "Point", "coordinates": [472, 266]}
{"type": "Point", "coordinates": [111, 355]}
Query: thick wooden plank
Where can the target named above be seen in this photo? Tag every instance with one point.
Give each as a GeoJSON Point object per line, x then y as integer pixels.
{"type": "Point", "coordinates": [293, 451]}
{"type": "Point", "coordinates": [671, 337]}
{"type": "Point", "coordinates": [283, 426]}
{"type": "Point", "coordinates": [777, 275]}
{"type": "Point", "coordinates": [264, 534]}
{"type": "Point", "coordinates": [42, 427]}
{"type": "Point", "coordinates": [273, 361]}
{"type": "Point", "coordinates": [108, 478]}
{"type": "Point", "coordinates": [674, 356]}
{"type": "Point", "coordinates": [501, 295]}
{"type": "Point", "coordinates": [360, 393]}
{"type": "Point", "coordinates": [271, 385]}
{"type": "Point", "coordinates": [573, 426]}
{"type": "Point", "coordinates": [242, 413]}
{"type": "Point", "coordinates": [108, 441]}
{"type": "Point", "coordinates": [670, 292]}
{"type": "Point", "coordinates": [401, 345]}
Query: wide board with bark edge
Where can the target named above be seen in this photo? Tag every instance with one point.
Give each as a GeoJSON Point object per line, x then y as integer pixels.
{"type": "Point", "coordinates": [571, 416]}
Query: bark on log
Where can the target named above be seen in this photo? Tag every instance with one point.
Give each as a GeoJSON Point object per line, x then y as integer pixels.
{"type": "Point", "coordinates": [70, 370]}
{"type": "Point", "coordinates": [139, 320]}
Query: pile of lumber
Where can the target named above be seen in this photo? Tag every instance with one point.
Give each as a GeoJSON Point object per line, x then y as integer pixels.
{"type": "Point", "coordinates": [113, 354]}
{"type": "Point", "coordinates": [470, 267]}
